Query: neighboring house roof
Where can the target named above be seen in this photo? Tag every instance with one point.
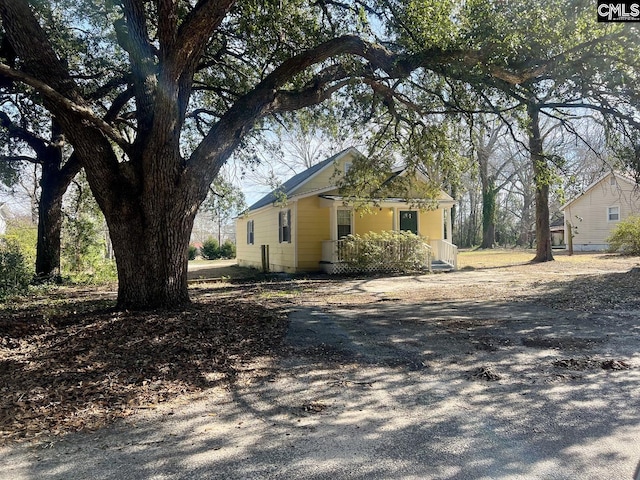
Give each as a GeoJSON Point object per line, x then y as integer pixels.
{"type": "Point", "coordinates": [288, 187]}
{"type": "Point", "coordinates": [587, 190]}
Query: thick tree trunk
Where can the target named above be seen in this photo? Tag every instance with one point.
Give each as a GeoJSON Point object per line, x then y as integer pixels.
{"type": "Point", "coordinates": [151, 257]}
{"type": "Point", "coordinates": [542, 178]}
{"type": "Point", "coordinates": [150, 230]}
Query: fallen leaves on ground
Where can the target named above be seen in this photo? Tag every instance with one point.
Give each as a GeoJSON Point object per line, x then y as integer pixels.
{"type": "Point", "coordinates": [73, 368]}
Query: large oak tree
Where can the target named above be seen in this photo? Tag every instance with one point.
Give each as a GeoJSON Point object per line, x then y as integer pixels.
{"type": "Point", "coordinates": [153, 70]}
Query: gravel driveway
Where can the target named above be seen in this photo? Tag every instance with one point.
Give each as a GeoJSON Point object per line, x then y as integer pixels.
{"type": "Point", "coordinates": [399, 382]}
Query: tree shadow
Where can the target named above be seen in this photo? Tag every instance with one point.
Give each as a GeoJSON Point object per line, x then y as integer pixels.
{"type": "Point", "coordinates": [348, 401]}
{"type": "Point", "coordinates": [68, 368]}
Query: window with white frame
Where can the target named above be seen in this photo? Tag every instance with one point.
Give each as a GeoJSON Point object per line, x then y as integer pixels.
{"type": "Point", "coordinates": [613, 214]}
{"type": "Point", "coordinates": [344, 223]}
{"type": "Point", "coordinates": [250, 237]}
{"type": "Point", "coordinates": [284, 226]}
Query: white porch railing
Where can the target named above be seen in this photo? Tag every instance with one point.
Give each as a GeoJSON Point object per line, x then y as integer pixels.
{"type": "Point", "coordinates": [445, 252]}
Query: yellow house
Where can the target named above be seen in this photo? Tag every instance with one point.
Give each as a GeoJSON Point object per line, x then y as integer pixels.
{"type": "Point", "coordinates": [594, 214]}
{"type": "Point", "coordinates": [296, 227]}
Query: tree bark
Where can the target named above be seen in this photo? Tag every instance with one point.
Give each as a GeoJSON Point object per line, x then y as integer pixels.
{"type": "Point", "coordinates": [53, 184]}
{"type": "Point", "coordinates": [151, 248]}
{"type": "Point", "coordinates": [488, 215]}
{"type": "Point", "coordinates": [542, 174]}
{"type": "Point", "coordinates": [49, 227]}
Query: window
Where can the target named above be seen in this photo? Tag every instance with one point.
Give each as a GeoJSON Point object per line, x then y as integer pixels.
{"type": "Point", "coordinates": [613, 181]}
{"type": "Point", "coordinates": [344, 223]}
{"type": "Point", "coordinates": [347, 166]}
{"type": "Point", "coordinates": [284, 226]}
{"type": "Point", "coordinates": [250, 238]}
{"type": "Point", "coordinates": [613, 214]}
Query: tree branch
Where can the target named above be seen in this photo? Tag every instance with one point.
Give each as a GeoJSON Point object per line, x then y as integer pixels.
{"type": "Point", "coordinates": [38, 144]}
{"type": "Point", "coordinates": [18, 158]}
{"type": "Point", "coordinates": [66, 104]}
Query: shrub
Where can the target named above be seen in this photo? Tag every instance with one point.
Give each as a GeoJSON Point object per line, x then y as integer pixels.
{"type": "Point", "coordinates": [385, 251]}
{"type": "Point", "coordinates": [193, 252]}
{"type": "Point", "coordinates": [625, 237]}
{"type": "Point", "coordinates": [210, 249]}
{"type": "Point", "coordinates": [14, 273]}
{"type": "Point", "coordinates": [23, 235]}
{"type": "Point", "coordinates": [228, 249]}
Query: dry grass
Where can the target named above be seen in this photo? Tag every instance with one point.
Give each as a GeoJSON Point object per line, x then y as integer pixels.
{"type": "Point", "coordinates": [496, 258]}
{"type": "Point", "coordinates": [493, 258]}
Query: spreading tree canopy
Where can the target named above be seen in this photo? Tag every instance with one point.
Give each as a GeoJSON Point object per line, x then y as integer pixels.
{"type": "Point", "coordinates": [129, 81]}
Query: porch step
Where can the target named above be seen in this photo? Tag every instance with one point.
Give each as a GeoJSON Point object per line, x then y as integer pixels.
{"type": "Point", "coordinates": [438, 266]}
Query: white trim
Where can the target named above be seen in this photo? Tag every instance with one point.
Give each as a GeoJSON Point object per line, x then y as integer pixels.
{"type": "Point", "coordinates": [389, 203]}
{"type": "Point", "coordinates": [609, 220]}
{"type": "Point", "coordinates": [333, 222]}
{"type": "Point", "coordinates": [351, 219]}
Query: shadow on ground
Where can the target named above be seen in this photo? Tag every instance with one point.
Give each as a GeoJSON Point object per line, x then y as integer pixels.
{"type": "Point", "coordinates": [422, 390]}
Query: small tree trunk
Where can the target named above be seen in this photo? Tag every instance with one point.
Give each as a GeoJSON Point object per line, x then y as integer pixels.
{"type": "Point", "coordinates": [49, 228]}
{"type": "Point", "coordinates": [569, 234]}
{"type": "Point", "coordinates": [542, 176]}
{"type": "Point", "coordinates": [488, 216]}
{"type": "Point", "coordinates": [489, 192]}
{"type": "Point", "coordinates": [54, 183]}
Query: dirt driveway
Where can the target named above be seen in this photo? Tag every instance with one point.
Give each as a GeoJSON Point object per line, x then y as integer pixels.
{"type": "Point", "coordinates": [521, 372]}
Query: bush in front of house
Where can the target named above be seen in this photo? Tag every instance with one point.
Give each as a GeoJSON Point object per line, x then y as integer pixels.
{"type": "Point", "coordinates": [385, 252]}
{"type": "Point", "coordinates": [625, 237]}
{"type": "Point", "coordinates": [193, 252]}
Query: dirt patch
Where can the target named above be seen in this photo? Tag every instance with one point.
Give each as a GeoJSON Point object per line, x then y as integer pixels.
{"type": "Point", "coordinates": [485, 373]}
{"type": "Point", "coordinates": [561, 343]}
{"type": "Point", "coordinates": [591, 364]}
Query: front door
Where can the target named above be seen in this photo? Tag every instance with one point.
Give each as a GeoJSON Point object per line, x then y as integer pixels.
{"type": "Point", "coordinates": [409, 221]}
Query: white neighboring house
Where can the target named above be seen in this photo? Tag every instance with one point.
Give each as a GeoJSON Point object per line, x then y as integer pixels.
{"type": "Point", "coordinates": [4, 215]}
{"type": "Point", "coordinates": [596, 212]}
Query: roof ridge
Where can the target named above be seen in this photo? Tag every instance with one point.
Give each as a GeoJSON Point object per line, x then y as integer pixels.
{"type": "Point", "coordinates": [295, 181]}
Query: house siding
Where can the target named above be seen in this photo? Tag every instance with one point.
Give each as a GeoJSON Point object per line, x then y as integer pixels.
{"type": "Point", "coordinates": [326, 177]}
{"type": "Point", "coordinates": [313, 227]}
{"type": "Point", "coordinates": [377, 220]}
{"type": "Point", "coordinates": [592, 207]}
{"type": "Point", "coordinates": [281, 255]}
{"type": "Point", "coordinates": [312, 217]}
{"type": "Point", "coordinates": [430, 224]}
